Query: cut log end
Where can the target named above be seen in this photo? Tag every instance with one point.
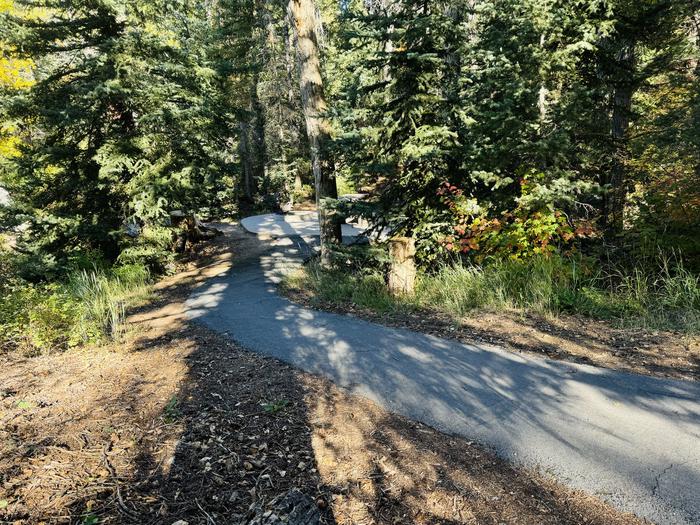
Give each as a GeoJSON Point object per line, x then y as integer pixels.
{"type": "Point", "coordinates": [401, 279]}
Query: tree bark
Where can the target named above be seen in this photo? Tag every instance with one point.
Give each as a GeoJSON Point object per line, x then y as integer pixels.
{"type": "Point", "coordinates": [258, 129]}
{"type": "Point", "coordinates": [313, 100]}
{"type": "Point", "coordinates": [621, 112]}
{"type": "Point", "coordinates": [246, 163]}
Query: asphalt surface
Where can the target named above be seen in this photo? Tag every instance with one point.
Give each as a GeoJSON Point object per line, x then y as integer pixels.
{"type": "Point", "coordinates": [631, 440]}
{"type": "Point", "coordinates": [295, 223]}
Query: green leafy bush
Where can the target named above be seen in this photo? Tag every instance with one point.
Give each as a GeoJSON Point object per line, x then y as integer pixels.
{"type": "Point", "coordinates": [360, 258]}
{"type": "Point", "coordinates": [52, 312]}
{"type": "Point", "coordinates": [151, 249]}
{"type": "Point", "coordinates": [37, 319]}
{"type": "Point", "coordinates": [305, 193]}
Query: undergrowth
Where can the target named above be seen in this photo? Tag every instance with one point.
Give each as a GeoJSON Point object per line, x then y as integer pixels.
{"type": "Point", "coordinates": [88, 307]}
{"type": "Point", "coordinates": [664, 296]}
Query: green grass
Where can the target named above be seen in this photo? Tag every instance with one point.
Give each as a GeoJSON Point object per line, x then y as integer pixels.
{"type": "Point", "coordinates": [104, 298]}
{"type": "Point", "coordinates": [171, 412]}
{"type": "Point", "coordinates": [666, 296]}
{"type": "Point", "coordinates": [366, 291]}
{"type": "Point", "coordinates": [90, 307]}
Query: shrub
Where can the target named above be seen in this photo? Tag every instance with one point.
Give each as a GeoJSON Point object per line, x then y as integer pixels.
{"type": "Point", "coordinates": [51, 319]}
{"type": "Point", "coordinates": [305, 193]}
{"type": "Point", "coordinates": [345, 185]}
{"type": "Point", "coordinates": [152, 249]}
{"type": "Point", "coordinates": [360, 258]}
{"type": "Point", "coordinates": [90, 307]}
{"type": "Point", "coordinates": [37, 319]}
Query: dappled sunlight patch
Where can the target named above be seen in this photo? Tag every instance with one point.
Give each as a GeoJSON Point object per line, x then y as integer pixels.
{"type": "Point", "coordinates": [564, 337]}
{"type": "Point", "coordinates": [181, 423]}
{"type": "Point", "coordinates": [76, 431]}
{"type": "Point", "coordinates": [382, 468]}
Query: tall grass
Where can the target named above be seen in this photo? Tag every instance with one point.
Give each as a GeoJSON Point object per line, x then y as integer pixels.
{"type": "Point", "coordinates": [366, 290]}
{"type": "Point", "coordinates": [533, 285]}
{"type": "Point", "coordinates": [663, 296]}
{"type": "Point", "coordinates": [90, 307]}
{"type": "Point", "coordinates": [104, 298]}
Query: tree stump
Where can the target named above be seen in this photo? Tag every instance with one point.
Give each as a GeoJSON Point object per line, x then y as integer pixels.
{"type": "Point", "coordinates": [293, 508]}
{"type": "Point", "coordinates": [190, 230]}
{"type": "Point", "coordinates": [402, 273]}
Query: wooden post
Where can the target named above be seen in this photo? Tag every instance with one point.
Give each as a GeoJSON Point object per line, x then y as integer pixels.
{"type": "Point", "coordinates": [402, 273]}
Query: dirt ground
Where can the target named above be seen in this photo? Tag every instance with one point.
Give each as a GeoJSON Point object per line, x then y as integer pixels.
{"type": "Point", "coordinates": [178, 423]}
{"type": "Point", "coordinates": [570, 338]}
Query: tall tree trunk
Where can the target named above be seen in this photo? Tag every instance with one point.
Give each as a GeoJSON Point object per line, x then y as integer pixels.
{"type": "Point", "coordinates": [290, 66]}
{"type": "Point", "coordinates": [258, 129]}
{"type": "Point", "coordinates": [303, 15]}
{"type": "Point", "coordinates": [246, 163]}
{"type": "Point", "coordinates": [695, 36]}
{"type": "Point", "coordinates": [621, 112]}
{"type": "Point", "coordinates": [543, 93]}
{"type": "Point", "coordinates": [252, 147]}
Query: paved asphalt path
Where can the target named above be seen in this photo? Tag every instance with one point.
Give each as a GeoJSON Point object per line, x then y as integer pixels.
{"type": "Point", "coordinates": [631, 440]}
{"type": "Point", "coordinates": [295, 223]}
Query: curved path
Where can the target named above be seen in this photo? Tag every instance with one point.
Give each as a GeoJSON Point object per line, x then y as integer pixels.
{"type": "Point", "coordinates": [631, 440]}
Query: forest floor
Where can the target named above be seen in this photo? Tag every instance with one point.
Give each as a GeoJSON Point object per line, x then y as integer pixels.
{"type": "Point", "coordinates": [178, 423]}
{"type": "Point", "coordinates": [566, 337]}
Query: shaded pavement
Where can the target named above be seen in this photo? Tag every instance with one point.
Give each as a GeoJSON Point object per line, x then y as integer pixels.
{"type": "Point", "coordinates": [631, 440]}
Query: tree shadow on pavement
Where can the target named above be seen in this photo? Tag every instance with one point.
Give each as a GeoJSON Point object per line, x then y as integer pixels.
{"type": "Point", "coordinates": [601, 430]}
{"type": "Point", "coordinates": [404, 472]}
{"type": "Point", "coordinates": [183, 424]}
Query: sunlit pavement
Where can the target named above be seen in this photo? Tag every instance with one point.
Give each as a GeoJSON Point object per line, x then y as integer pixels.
{"type": "Point", "coordinates": [304, 223]}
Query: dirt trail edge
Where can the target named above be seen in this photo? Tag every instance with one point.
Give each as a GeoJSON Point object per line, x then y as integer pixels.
{"type": "Point", "coordinates": [632, 440]}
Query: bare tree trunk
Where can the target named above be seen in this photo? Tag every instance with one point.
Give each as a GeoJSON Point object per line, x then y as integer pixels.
{"type": "Point", "coordinates": [303, 15]}
{"type": "Point", "coordinates": [258, 129]}
{"type": "Point", "coordinates": [245, 154]}
{"type": "Point", "coordinates": [621, 113]}
{"type": "Point", "coordinates": [695, 36]}
{"type": "Point", "coordinates": [290, 45]}
{"type": "Point", "coordinates": [542, 95]}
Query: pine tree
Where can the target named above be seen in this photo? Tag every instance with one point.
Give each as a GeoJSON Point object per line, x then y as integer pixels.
{"type": "Point", "coordinates": [647, 40]}
{"type": "Point", "coordinates": [409, 115]}
{"type": "Point", "coordinates": [124, 123]}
